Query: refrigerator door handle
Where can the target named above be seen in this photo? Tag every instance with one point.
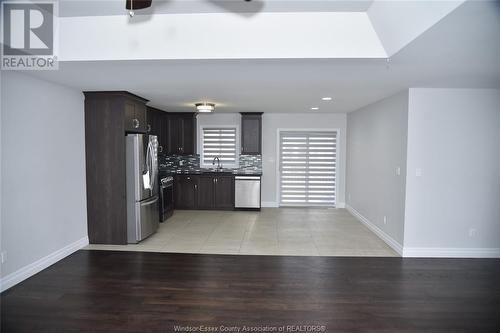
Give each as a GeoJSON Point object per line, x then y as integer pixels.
{"type": "Point", "coordinates": [146, 160]}
{"type": "Point", "coordinates": [146, 175]}
{"type": "Point", "coordinates": [154, 179]}
{"type": "Point", "coordinates": [154, 168]}
{"type": "Point", "coordinates": [151, 167]}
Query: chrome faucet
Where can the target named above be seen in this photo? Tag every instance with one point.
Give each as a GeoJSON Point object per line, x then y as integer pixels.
{"type": "Point", "coordinates": [219, 166]}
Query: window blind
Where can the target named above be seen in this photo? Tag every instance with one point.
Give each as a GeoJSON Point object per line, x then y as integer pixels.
{"type": "Point", "coordinates": [221, 143]}
{"type": "Point", "coordinates": [308, 168]}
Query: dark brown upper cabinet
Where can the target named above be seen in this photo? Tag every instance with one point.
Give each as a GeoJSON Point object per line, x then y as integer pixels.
{"type": "Point", "coordinates": [109, 115]}
{"type": "Point", "coordinates": [135, 114]}
{"type": "Point", "coordinates": [152, 116]}
{"type": "Point", "coordinates": [182, 133]}
{"type": "Point", "coordinates": [251, 133]}
{"type": "Point", "coordinates": [158, 122]}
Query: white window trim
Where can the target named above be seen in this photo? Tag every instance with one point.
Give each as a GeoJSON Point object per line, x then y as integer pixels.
{"type": "Point", "coordinates": [278, 173]}
{"type": "Point", "coordinates": [200, 145]}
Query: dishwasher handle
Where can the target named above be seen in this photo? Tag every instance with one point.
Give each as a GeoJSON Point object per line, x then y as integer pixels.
{"type": "Point", "coordinates": [247, 178]}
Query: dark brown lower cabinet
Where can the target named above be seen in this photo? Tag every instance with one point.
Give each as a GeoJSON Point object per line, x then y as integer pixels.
{"type": "Point", "coordinates": [224, 192]}
{"type": "Point", "coordinates": [186, 188]}
{"type": "Point", "coordinates": [204, 192]}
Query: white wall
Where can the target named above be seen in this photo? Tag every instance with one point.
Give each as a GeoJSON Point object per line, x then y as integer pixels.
{"type": "Point", "coordinates": [376, 147]}
{"type": "Point", "coordinates": [44, 214]}
{"type": "Point", "coordinates": [454, 139]}
{"type": "Point", "coordinates": [271, 122]}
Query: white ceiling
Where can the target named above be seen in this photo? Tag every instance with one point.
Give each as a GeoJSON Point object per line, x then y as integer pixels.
{"type": "Point", "coordinates": [462, 50]}
{"type": "Point", "coordinates": [219, 36]}
{"type": "Point", "coordinates": [117, 7]}
{"type": "Point", "coordinates": [381, 31]}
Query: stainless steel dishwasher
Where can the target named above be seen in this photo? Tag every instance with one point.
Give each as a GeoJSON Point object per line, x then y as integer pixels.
{"type": "Point", "coordinates": [247, 192]}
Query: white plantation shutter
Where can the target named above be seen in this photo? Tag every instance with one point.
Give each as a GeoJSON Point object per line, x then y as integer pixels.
{"type": "Point", "coordinates": [308, 162]}
{"type": "Point", "coordinates": [221, 143]}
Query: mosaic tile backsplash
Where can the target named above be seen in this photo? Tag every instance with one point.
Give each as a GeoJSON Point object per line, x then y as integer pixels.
{"type": "Point", "coordinates": [173, 163]}
{"type": "Point", "coordinates": [250, 163]}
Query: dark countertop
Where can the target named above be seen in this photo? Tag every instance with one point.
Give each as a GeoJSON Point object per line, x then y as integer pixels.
{"type": "Point", "coordinates": [236, 172]}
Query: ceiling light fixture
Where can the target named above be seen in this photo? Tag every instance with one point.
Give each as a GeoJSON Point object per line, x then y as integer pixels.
{"type": "Point", "coordinates": [205, 107]}
{"type": "Point", "coordinates": [314, 108]}
{"type": "Point", "coordinates": [327, 98]}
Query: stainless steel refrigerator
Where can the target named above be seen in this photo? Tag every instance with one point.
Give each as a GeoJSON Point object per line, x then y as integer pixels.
{"type": "Point", "coordinates": [142, 186]}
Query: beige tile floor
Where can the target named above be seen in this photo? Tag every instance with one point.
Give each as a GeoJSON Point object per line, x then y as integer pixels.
{"type": "Point", "coordinates": [272, 231]}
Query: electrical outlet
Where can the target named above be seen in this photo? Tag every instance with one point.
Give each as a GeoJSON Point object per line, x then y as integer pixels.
{"type": "Point", "coordinates": [3, 257]}
{"type": "Point", "coordinates": [472, 232]}
{"type": "Point", "coordinates": [385, 219]}
{"type": "Point", "coordinates": [418, 172]}
{"type": "Point", "coordinates": [398, 171]}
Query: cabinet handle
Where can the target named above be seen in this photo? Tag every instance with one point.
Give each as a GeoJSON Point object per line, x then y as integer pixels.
{"type": "Point", "coordinates": [160, 149]}
{"type": "Point", "coordinates": [135, 122]}
{"type": "Point", "coordinates": [149, 128]}
{"type": "Point", "coordinates": [188, 178]}
{"type": "Point", "coordinates": [195, 187]}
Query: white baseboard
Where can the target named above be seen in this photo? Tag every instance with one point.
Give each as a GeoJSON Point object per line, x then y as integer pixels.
{"type": "Point", "coordinates": [450, 252]}
{"type": "Point", "coordinates": [274, 204]}
{"type": "Point", "coordinates": [385, 237]}
{"type": "Point", "coordinates": [39, 265]}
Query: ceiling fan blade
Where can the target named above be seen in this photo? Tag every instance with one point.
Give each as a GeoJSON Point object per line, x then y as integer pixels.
{"type": "Point", "coordinates": [141, 4]}
{"type": "Point", "coordinates": [138, 4]}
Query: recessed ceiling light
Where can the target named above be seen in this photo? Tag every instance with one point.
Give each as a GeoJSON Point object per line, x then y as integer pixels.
{"type": "Point", "coordinates": [327, 98]}
{"type": "Point", "coordinates": [314, 108]}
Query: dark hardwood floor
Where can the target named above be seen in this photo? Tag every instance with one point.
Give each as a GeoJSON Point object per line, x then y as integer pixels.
{"type": "Point", "coordinates": [103, 291]}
